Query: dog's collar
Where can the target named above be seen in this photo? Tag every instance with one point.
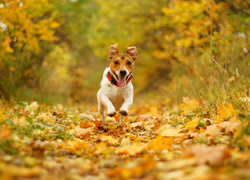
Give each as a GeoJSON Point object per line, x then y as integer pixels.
{"type": "Point", "coordinates": [114, 81]}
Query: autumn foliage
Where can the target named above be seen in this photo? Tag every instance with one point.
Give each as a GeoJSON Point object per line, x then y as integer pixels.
{"type": "Point", "coordinates": [190, 117]}
{"type": "Point", "coordinates": [38, 141]}
{"type": "Point", "coordinates": [55, 51]}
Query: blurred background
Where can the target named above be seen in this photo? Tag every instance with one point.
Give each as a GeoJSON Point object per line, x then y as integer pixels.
{"type": "Point", "coordinates": [55, 51]}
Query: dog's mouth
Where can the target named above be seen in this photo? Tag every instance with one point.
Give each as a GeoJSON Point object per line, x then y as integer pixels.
{"type": "Point", "coordinates": [121, 79]}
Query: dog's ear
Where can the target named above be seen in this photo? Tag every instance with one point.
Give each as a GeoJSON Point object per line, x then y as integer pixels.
{"type": "Point", "coordinates": [113, 50]}
{"type": "Point", "coordinates": [132, 51]}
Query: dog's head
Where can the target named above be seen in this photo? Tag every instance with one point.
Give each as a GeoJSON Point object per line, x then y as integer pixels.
{"type": "Point", "coordinates": [122, 65]}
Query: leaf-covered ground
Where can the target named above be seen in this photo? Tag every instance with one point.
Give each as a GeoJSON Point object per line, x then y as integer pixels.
{"type": "Point", "coordinates": [196, 140]}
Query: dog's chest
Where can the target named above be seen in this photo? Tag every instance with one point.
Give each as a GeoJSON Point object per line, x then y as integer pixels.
{"type": "Point", "coordinates": [116, 95]}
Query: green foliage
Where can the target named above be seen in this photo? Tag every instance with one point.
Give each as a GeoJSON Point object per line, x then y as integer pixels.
{"type": "Point", "coordinates": [55, 52]}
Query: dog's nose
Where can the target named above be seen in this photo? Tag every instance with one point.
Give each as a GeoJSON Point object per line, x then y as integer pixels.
{"type": "Point", "coordinates": [123, 72]}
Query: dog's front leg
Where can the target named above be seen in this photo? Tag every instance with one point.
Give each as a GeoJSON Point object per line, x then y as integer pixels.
{"type": "Point", "coordinates": [108, 104]}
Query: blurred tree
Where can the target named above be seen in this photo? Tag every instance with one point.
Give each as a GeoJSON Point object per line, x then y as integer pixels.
{"type": "Point", "coordinates": [26, 29]}
{"type": "Point", "coordinates": [58, 49]}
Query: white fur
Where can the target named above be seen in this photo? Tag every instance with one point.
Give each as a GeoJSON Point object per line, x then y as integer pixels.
{"type": "Point", "coordinates": [114, 98]}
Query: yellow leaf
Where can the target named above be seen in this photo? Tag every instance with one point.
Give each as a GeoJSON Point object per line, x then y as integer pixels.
{"type": "Point", "coordinates": [109, 139]}
{"type": "Point", "coordinates": [84, 145]}
{"type": "Point", "coordinates": [160, 143]}
{"type": "Point", "coordinates": [237, 133]}
{"type": "Point", "coordinates": [224, 112]}
{"type": "Point", "coordinates": [202, 130]}
{"type": "Point", "coordinates": [103, 148]}
{"type": "Point", "coordinates": [193, 123]}
{"type": "Point", "coordinates": [189, 105]}
{"type": "Point", "coordinates": [172, 132]}
{"type": "Point", "coordinates": [234, 119]}
{"type": "Point", "coordinates": [131, 150]}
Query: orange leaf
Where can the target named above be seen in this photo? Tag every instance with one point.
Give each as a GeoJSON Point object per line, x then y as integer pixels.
{"type": "Point", "coordinates": [5, 132]}
{"type": "Point", "coordinates": [160, 143]}
{"type": "Point", "coordinates": [97, 123]}
{"type": "Point", "coordinates": [85, 124]}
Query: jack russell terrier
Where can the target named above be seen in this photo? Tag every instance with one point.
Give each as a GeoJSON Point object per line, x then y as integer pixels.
{"type": "Point", "coordinates": [116, 92]}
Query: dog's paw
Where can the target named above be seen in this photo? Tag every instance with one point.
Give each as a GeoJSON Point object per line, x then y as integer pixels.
{"type": "Point", "coordinates": [111, 114]}
{"type": "Point", "coordinates": [123, 112]}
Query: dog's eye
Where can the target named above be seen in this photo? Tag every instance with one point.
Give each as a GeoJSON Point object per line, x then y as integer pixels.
{"type": "Point", "coordinates": [129, 62]}
{"type": "Point", "coordinates": [116, 62]}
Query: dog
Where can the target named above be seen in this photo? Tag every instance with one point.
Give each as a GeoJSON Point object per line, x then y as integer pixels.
{"type": "Point", "coordinates": [116, 91]}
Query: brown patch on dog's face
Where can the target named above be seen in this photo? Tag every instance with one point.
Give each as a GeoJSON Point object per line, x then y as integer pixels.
{"type": "Point", "coordinates": [122, 65]}
{"type": "Point", "coordinates": [122, 61]}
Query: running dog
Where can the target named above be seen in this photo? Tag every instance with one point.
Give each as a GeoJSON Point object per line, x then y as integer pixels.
{"type": "Point", "coordinates": [116, 92]}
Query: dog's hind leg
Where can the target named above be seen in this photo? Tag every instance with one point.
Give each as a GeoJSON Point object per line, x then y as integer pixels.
{"type": "Point", "coordinates": [101, 110]}
{"type": "Point", "coordinates": [121, 119]}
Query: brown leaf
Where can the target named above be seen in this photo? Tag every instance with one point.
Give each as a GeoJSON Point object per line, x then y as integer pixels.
{"type": "Point", "coordinates": [80, 132]}
{"type": "Point", "coordinates": [136, 124]}
{"type": "Point", "coordinates": [213, 130]}
{"type": "Point", "coordinates": [131, 150]}
{"type": "Point", "coordinates": [144, 117]}
{"type": "Point", "coordinates": [215, 155]}
{"type": "Point", "coordinates": [85, 124]}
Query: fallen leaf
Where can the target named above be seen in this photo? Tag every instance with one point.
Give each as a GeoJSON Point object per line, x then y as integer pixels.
{"type": "Point", "coordinates": [212, 130]}
{"type": "Point", "coordinates": [80, 132]}
{"type": "Point", "coordinates": [246, 140]}
{"type": "Point", "coordinates": [193, 123]}
{"type": "Point", "coordinates": [131, 150]}
{"type": "Point", "coordinates": [33, 106]}
{"type": "Point", "coordinates": [160, 143]}
{"type": "Point", "coordinates": [131, 136]}
{"type": "Point", "coordinates": [233, 126]}
{"type": "Point", "coordinates": [189, 105]}
{"type": "Point", "coordinates": [47, 117]}
{"type": "Point", "coordinates": [224, 112]}
{"type": "Point", "coordinates": [98, 123]}
{"type": "Point", "coordinates": [215, 155]}
{"type": "Point", "coordinates": [102, 148]}
{"type": "Point", "coordinates": [85, 124]}
{"type": "Point", "coordinates": [109, 139]}
{"type": "Point", "coordinates": [77, 145]}
{"type": "Point", "coordinates": [136, 124]}
{"type": "Point", "coordinates": [144, 117]}
{"type": "Point", "coordinates": [83, 145]}
{"type": "Point", "coordinates": [177, 164]}
{"type": "Point", "coordinates": [5, 132]}
{"type": "Point", "coordinates": [172, 132]}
